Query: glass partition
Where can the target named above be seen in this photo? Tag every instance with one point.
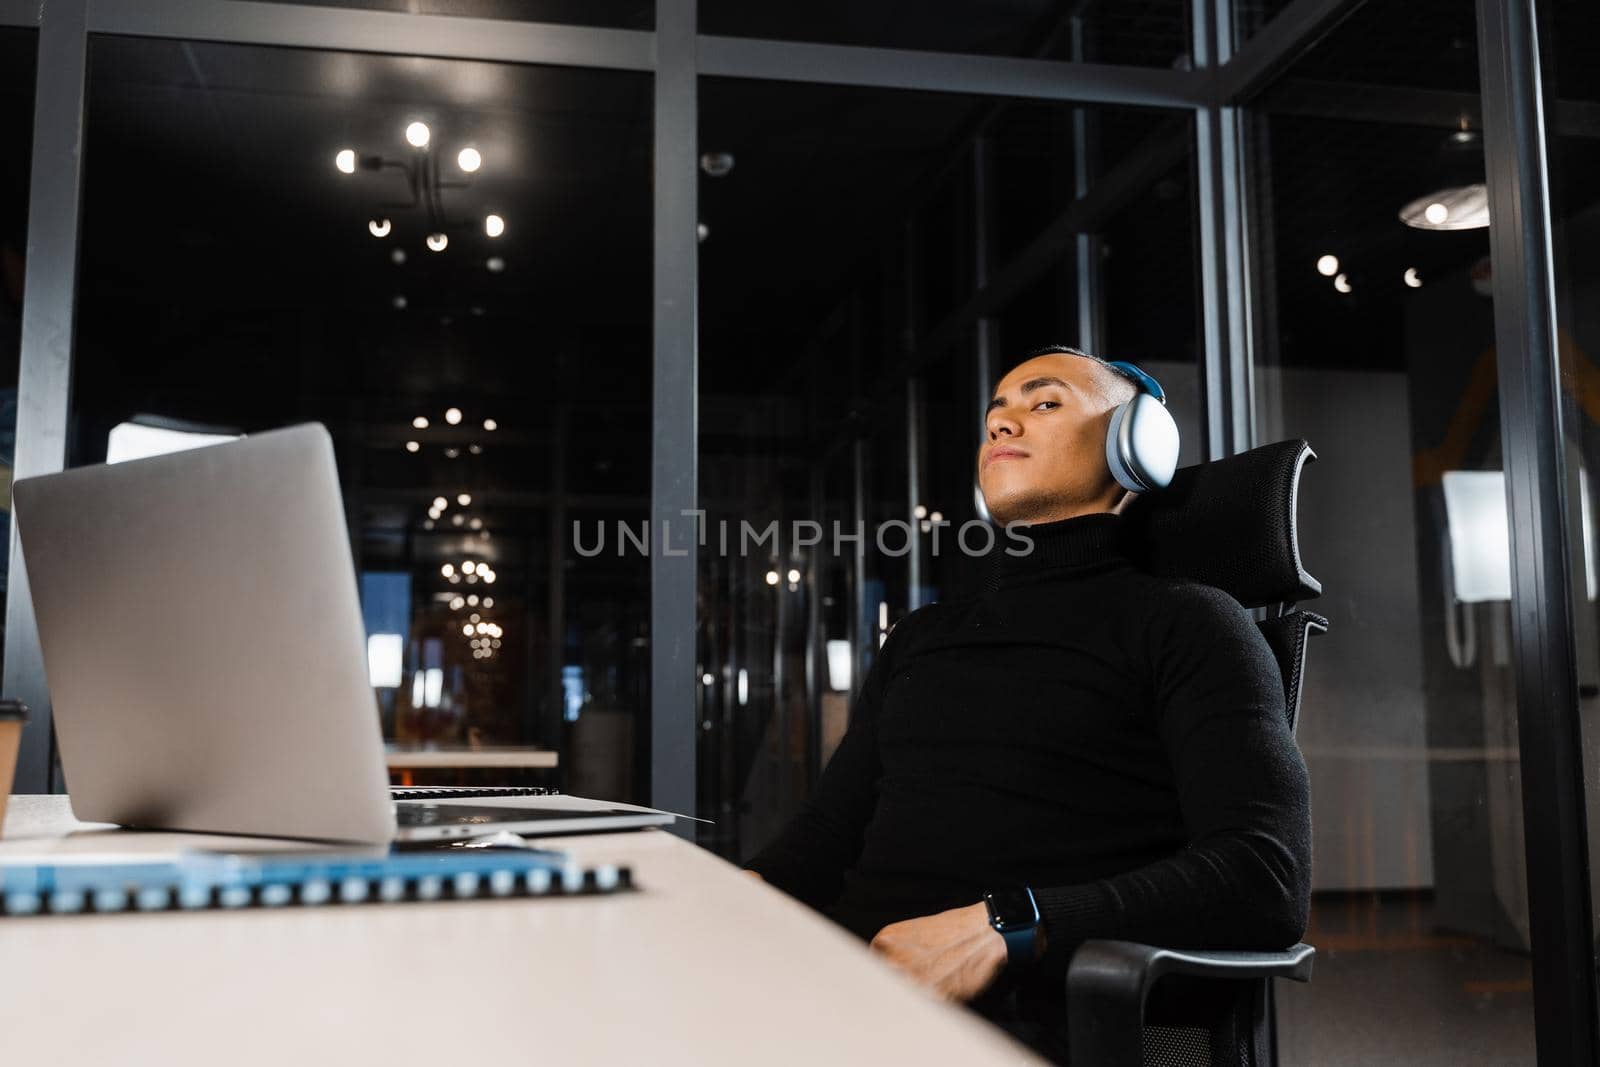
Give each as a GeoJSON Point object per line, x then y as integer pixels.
{"type": "Point", "coordinates": [446, 263]}
{"type": "Point", "coordinates": [1376, 344]}
{"type": "Point", "coordinates": [617, 14]}
{"type": "Point", "coordinates": [1148, 33]}
{"type": "Point", "coordinates": [871, 263]}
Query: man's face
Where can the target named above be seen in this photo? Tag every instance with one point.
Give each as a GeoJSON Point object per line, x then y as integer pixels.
{"type": "Point", "coordinates": [1044, 458]}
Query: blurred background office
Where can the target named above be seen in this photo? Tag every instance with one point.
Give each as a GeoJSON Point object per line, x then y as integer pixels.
{"type": "Point", "coordinates": [542, 267]}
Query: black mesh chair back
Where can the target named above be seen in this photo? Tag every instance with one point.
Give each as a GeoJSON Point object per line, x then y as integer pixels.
{"type": "Point", "coordinates": [1231, 524]}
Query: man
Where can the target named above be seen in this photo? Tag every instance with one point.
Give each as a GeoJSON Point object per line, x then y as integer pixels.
{"type": "Point", "coordinates": [1111, 741]}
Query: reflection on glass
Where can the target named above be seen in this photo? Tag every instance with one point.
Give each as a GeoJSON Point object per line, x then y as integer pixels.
{"type": "Point", "coordinates": [262, 287]}
{"type": "Point", "coordinates": [1376, 345]}
{"type": "Point", "coordinates": [870, 271]}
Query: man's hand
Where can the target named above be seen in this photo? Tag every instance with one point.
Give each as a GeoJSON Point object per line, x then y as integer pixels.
{"type": "Point", "coordinates": [955, 953]}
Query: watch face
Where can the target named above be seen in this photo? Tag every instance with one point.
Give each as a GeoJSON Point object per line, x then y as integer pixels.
{"type": "Point", "coordinates": [1012, 908]}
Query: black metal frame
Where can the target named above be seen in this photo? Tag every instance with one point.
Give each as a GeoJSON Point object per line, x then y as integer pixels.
{"type": "Point", "coordinates": [1217, 91]}
{"type": "Point", "coordinates": [1560, 909]}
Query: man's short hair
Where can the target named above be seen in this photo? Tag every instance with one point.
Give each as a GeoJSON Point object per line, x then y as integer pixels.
{"type": "Point", "coordinates": [1066, 350]}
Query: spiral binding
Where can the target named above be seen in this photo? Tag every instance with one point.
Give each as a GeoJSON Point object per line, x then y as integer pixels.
{"type": "Point", "coordinates": [206, 884]}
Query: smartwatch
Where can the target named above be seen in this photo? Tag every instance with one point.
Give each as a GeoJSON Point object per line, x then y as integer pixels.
{"type": "Point", "coordinates": [1015, 916]}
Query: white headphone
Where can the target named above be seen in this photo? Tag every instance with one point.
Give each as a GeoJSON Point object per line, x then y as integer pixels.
{"type": "Point", "coordinates": [1142, 440]}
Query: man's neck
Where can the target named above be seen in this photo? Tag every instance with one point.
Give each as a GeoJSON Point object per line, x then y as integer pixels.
{"type": "Point", "coordinates": [1111, 506]}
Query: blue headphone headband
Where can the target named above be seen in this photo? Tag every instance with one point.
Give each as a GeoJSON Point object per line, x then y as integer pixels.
{"type": "Point", "coordinates": [1145, 383]}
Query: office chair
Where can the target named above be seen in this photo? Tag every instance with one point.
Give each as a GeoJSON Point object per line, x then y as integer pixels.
{"type": "Point", "coordinates": [1229, 524]}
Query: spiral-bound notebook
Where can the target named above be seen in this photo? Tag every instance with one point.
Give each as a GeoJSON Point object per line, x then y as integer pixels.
{"type": "Point", "coordinates": [200, 880]}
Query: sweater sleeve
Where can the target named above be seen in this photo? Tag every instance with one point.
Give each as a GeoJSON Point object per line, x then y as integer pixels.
{"type": "Point", "coordinates": [809, 856]}
{"type": "Point", "coordinates": [1243, 880]}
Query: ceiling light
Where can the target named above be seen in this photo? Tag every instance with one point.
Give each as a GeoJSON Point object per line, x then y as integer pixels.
{"type": "Point", "coordinates": [469, 160]}
{"type": "Point", "coordinates": [494, 225]}
{"type": "Point", "coordinates": [437, 242]}
{"type": "Point", "coordinates": [452, 416]}
{"type": "Point", "coordinates": [716, 164]}
{"type": "Point", "coordinates": [398, 255]}
{"type": "Point", "coordinates": [475, 449]}
{"type": "Point", "coordinates": [920, 511]}
{"type": "Point", "coordinates": [473, 600]}
{"type": "Point", "coordinates": [466, 629]}
{"type": "Point", "coordinates": [458, 519]}
{"type": "Point", "coordinates": [457, 603]}
{"type": "Point", "coordinates": [490, 577]}
{"type": "Point", "coordinates": [495, 264]}
{"type": "Point", "coordinates": [417, 133]}
{"type": "Point", "coordinates": [1342, 283]}
{"type": "Point", "coordinates": [412, 446]}
{"type": "Point", "coordinates": [420, 422]}
{"type": "Point", "coordinates": [490, 425]}
{"type": "Point", "coordinates": [447, 570]}
{"type": "Point", "coordinates": [488, 601]}
{"type": "Point", "coordinates": [1413, 279]}
{"type": "Point", "coordinates": [1328, 266]}
{"type": "Point", "coordinates": [476, 524]}
{"type": "Point", "coordinates": [440, 503]}
{"type": "Point", "coordinates": [701, 231]}
{"type": "Point", "coordinates": [399, 302]}
{"type": "Point", "coordinates": [935, 517]}
{"type": "Point", "coordinates": [379, 227]}
{"type": "Point", "coordinates": [772, 577]}
{"type": "Point", "coordinates": [451, 453]}
{"type": "Point", "coordinates": [794, 575]}
{"type": "Point", "coordinates": [464, 499]}
{"type": "Point", "coordinates": [468, 567]}
{"type": "Point", "coordinates": [346, 160]}
{"type": "Point", "coordinates": [1461, 207]}
{"type": "Point", "coordinates": [428, 525]}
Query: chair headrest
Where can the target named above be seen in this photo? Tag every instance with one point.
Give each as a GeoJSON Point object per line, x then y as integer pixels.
{"type": "Point", "coordinates": [1230, 524]}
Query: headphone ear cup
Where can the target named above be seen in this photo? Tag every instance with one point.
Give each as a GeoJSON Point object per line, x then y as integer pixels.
{"type": "Point", "coordinates": [1142, 444]}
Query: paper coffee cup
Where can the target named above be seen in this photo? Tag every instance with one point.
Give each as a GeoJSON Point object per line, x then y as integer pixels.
{"type": "Point", "coordinates": [12, 715]}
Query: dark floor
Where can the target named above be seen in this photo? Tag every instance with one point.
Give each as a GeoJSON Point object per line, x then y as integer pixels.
{"type": "Point", "coordinates": [1389, 988]}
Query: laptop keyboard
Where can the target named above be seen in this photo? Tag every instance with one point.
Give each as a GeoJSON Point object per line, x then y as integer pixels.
{"type": "Point", "coordinates": [468, 792]}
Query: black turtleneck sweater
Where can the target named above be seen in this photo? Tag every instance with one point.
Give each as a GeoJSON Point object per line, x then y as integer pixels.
{"type": "Point", "coordinates": [1115, 741]}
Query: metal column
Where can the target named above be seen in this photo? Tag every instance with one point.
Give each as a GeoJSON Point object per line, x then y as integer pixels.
{"type": "Point", "coordinates": [49, 308]}
{"type": "Point", "coordinates": [1556, 842]}
{"type": "Point", "coordinates": [674, 452]}
{"type": "Point", "coordinates": [1224, 276]}
{"type": "Point", "coordinates": [1087, 247]}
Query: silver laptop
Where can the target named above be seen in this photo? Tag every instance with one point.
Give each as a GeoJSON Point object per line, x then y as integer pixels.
{"type": "Point", "coordinates": [206, 655]}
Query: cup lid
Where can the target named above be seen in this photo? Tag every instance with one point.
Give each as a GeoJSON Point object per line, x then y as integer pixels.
{"type": "Point", "coordinates": [13, 711]}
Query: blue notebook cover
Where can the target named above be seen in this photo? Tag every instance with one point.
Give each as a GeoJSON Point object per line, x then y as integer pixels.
{"type": "Point", "coordinates": [200, 880]}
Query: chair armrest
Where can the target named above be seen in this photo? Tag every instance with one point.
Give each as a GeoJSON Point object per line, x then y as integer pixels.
{"type": "Point", "coordinates": [1109, 981]}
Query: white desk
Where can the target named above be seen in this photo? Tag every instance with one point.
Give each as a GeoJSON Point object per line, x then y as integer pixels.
{"type": "Point", "coordinates": [703, 965]}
